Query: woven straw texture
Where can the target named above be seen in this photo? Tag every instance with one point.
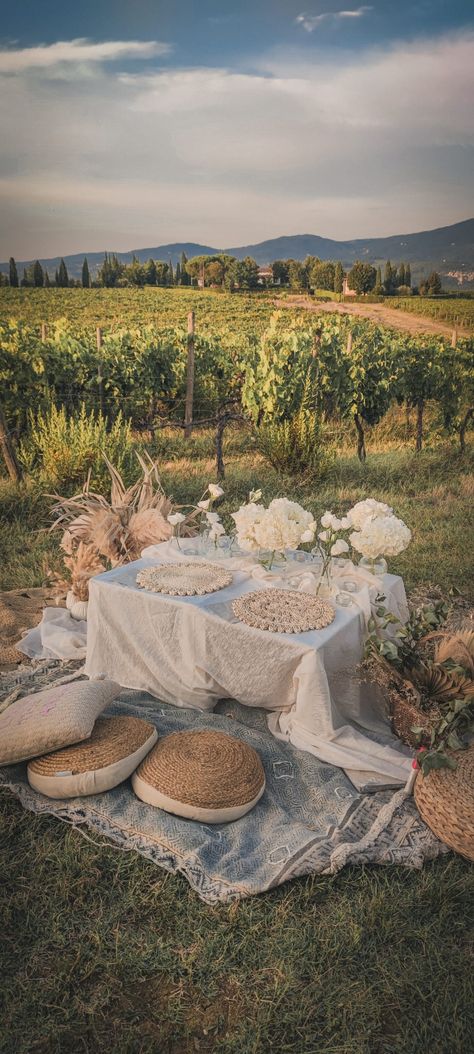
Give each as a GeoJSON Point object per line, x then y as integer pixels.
{"type": "Point", "coordinates": [283, 611]}
{"type": "Point", "coordinates": [184, 580]}
{"type": "Point", "coordinates": [49, 720]}
{"type": "Point", "coordinates": [112, 739]}
{"type": "Point", "coordinates": [207, 769]}
{"type": "Point", "coordinates": [445, 799]}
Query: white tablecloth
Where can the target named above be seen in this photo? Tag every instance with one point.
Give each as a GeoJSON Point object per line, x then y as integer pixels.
{"type": "Point", "coordinates": [191, 651]}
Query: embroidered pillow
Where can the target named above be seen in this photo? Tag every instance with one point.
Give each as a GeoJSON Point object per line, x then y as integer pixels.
{"type": "Point", "coordinates": [52, 719]}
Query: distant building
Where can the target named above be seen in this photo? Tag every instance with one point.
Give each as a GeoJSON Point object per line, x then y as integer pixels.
{"type": "Point", "coordinates": [265, 274]}
{"type": "Point", "coordinates": [461, 276]}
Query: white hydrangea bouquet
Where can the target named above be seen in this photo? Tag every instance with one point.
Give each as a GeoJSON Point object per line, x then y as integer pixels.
{"type": "Point", "coordinates": [283, 525]}
{"type": "Point", "coordinates": [378, 533]}
{"type": "Point", "coordinates": [375, 533]}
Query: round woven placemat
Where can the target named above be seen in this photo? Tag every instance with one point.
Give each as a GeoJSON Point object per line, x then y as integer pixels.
{"type": "Point", "coordinates": [112, 739]}
{"type": "Point", "coordinates": [203, 768]}
{"type": "Point", "coordinates": [184, 579]}
{"type": "Point", "coordinates": [283, 611]}
{"type": "Point", "coordinates": [445, 799]}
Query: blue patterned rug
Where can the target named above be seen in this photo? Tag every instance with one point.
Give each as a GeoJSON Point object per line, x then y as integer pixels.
{"type": "Point", "coordinates": [310, 819]}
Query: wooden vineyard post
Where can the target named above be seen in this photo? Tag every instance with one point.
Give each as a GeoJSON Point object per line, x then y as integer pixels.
{"type": "Point", "coordinates": [454, 337]}
{"type": "Point", "coordinates": [44, 332]}
{"type": "Point", "coordinates": [99, 368]}
{"type": "Point", "coordinates": [8, 451]}
{"type": "Point", "coordinates": [349, 343]}
{"type": "Point", "coordinates": [188, 410]}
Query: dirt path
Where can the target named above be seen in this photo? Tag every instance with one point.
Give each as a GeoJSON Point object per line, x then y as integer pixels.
{"type": "Point", "coordinates": [386, 316]}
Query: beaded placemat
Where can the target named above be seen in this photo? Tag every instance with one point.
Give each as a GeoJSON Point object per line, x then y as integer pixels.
{"type": "Point", "coordinates": [283, 611]}
{"type": "Point", "coordinates": [184, 580]}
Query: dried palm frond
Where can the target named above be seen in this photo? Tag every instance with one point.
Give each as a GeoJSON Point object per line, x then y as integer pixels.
{"type": "Point", "coordinates": [120, 527]}
{"type": "Point", "coordinates": [440, 685]}
{"type": "Point", "coordinates": [458, 648]}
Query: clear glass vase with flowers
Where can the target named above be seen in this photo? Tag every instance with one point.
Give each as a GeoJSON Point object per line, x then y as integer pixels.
{"type": "Point", "coordinates": [331, 545]}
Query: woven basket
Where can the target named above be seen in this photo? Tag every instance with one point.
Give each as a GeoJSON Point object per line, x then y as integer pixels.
{"type": "Point", "coordinates": [117, 745]}
{"type": "Point", "coordinates": [445, 799]}
{"type": "Point", "coordinates": [201, 775]}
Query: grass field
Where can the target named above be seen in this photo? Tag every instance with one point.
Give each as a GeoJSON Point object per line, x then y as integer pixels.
{"type": "Point", "coordinates": [103, 951]}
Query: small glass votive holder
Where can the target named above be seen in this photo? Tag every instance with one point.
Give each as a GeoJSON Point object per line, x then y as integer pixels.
{"type": "Point", "coordinates": [302, 557]}
{"type": "Point", "coordinates": [349, 587]}
{"type": "Point", "coordinates": [224, 546]}
{"type": "Point", "coordinates": [343, 600]}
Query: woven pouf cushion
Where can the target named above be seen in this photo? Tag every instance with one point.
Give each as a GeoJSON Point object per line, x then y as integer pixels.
{"type": "Point", "coordinates": [117, 745]}
{"type": "Point", "coordinates": [53, 718]}
{"type": "Point", "coordinates": [201, 775]}
{"type": "Point", "coordinates": [445, 799]}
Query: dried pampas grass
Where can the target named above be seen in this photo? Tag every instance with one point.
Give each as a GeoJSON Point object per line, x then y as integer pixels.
{"type": "Point", "coordinates": [119, 527]}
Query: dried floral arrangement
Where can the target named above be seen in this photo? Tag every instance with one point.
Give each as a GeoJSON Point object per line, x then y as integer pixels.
{"type": "Point", "coordinates": [429, 674]}
{"type": "Point", "coordinates": [100, 532]}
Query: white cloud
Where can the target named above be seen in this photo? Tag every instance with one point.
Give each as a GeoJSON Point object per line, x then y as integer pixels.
{"type": "Point", "coordinates": [379, 143]}
{"type": "Point", "coordinates": [310, 22]}
{"type": "Point", "coordinates": [79, 51]}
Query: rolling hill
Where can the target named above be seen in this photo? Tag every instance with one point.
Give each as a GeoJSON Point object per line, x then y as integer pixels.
{"type": "Point", "coordinates": [444, 249]}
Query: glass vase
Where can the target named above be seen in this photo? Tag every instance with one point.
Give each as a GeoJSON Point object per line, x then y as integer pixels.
{"type": "Point", "coordinates": [271, 560]}
{"type": "Point", "coordinates": [324, 586]}
{"type": "Point", "coordinates": [377, 565]}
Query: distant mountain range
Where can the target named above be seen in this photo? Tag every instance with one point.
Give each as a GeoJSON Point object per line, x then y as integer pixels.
{"type": "Point", "coordinates": [444, 249]}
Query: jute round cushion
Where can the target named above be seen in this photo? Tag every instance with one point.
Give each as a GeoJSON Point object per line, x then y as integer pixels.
{"type": "Point", "coordinates": [445, 799]}
{"type": "Point", "coordinates": [115, 748]}
{"type": "Point", "coordinates": [201, 775]}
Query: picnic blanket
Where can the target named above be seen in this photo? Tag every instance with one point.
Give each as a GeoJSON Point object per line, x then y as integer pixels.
{"type": "Point", "coordinates": [310, 820]}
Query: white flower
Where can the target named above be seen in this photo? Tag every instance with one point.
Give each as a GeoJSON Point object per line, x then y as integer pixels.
{"type": "Point", "coordinates": [216, 530]}
{"type": "Point", "coordinates": [339, 547]}
{"type": "Point", "coordinates": [307, 536]}
{"type": "Point", "coordinates": [361, 512]}
{"type": "Point", "coordinates": [255, 495]}
{"type": "Point", "coordinates": [204, 504]}
{"type": "Point", "coordinates": [175, 518]}
{"type": "Point", "coordinates": [215, 490]}
{"type": "Point", "coordinates": [281, 526]}
{"type": "Point", "coordinates": [345, 523]}
{"type": "Point", "coordinates": [381, 536]}
{"type": "Point", "coordinates": [330, 520]}
{"type": "Point", "coordinates": [212, 517]}
{"type": "Point", "coordinates": [324, 535]}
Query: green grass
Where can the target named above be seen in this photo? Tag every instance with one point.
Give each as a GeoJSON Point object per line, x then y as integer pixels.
{"type": "Point", "coordinates": [103, 951]}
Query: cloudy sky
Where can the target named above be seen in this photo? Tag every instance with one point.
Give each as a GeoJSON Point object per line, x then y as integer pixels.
{"type": "Point", "coordinates": [128, 124]}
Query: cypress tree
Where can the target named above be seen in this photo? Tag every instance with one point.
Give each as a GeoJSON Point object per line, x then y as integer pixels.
{"type": "Point", "coordinates": [63, 277]}
{"type": "Point", "coordinates": [56, 277]}
{"type": "Point", "coordinates": [170, 273]}
{"type": "Point", "coordinates": [150, 272]}
{"type": "Point", "coordinates": [86, 278]}
{"type": "Point", "coordinates": [25, 282]}
{"type": "Point", "coordinates": [388, 278]}
{"type": "Point", "coordinates": [13, 273]}
{"type": "Point", "coordinates": [47, 282]}
{"type": "Point", "coordinates": [38, 276]}
{"type": "Point", "coordinates": [401, 274]}
{"type": "Point", "coordinates": [408, 275]}
{"type": "Point", "coordinates": [378, 280]}
{"type": "Point", "coordinates": [338, 277]}
{"type": "Point", "coordinates": [177, 274]}
{"type": "Point", "coordinates": [185, 277]}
